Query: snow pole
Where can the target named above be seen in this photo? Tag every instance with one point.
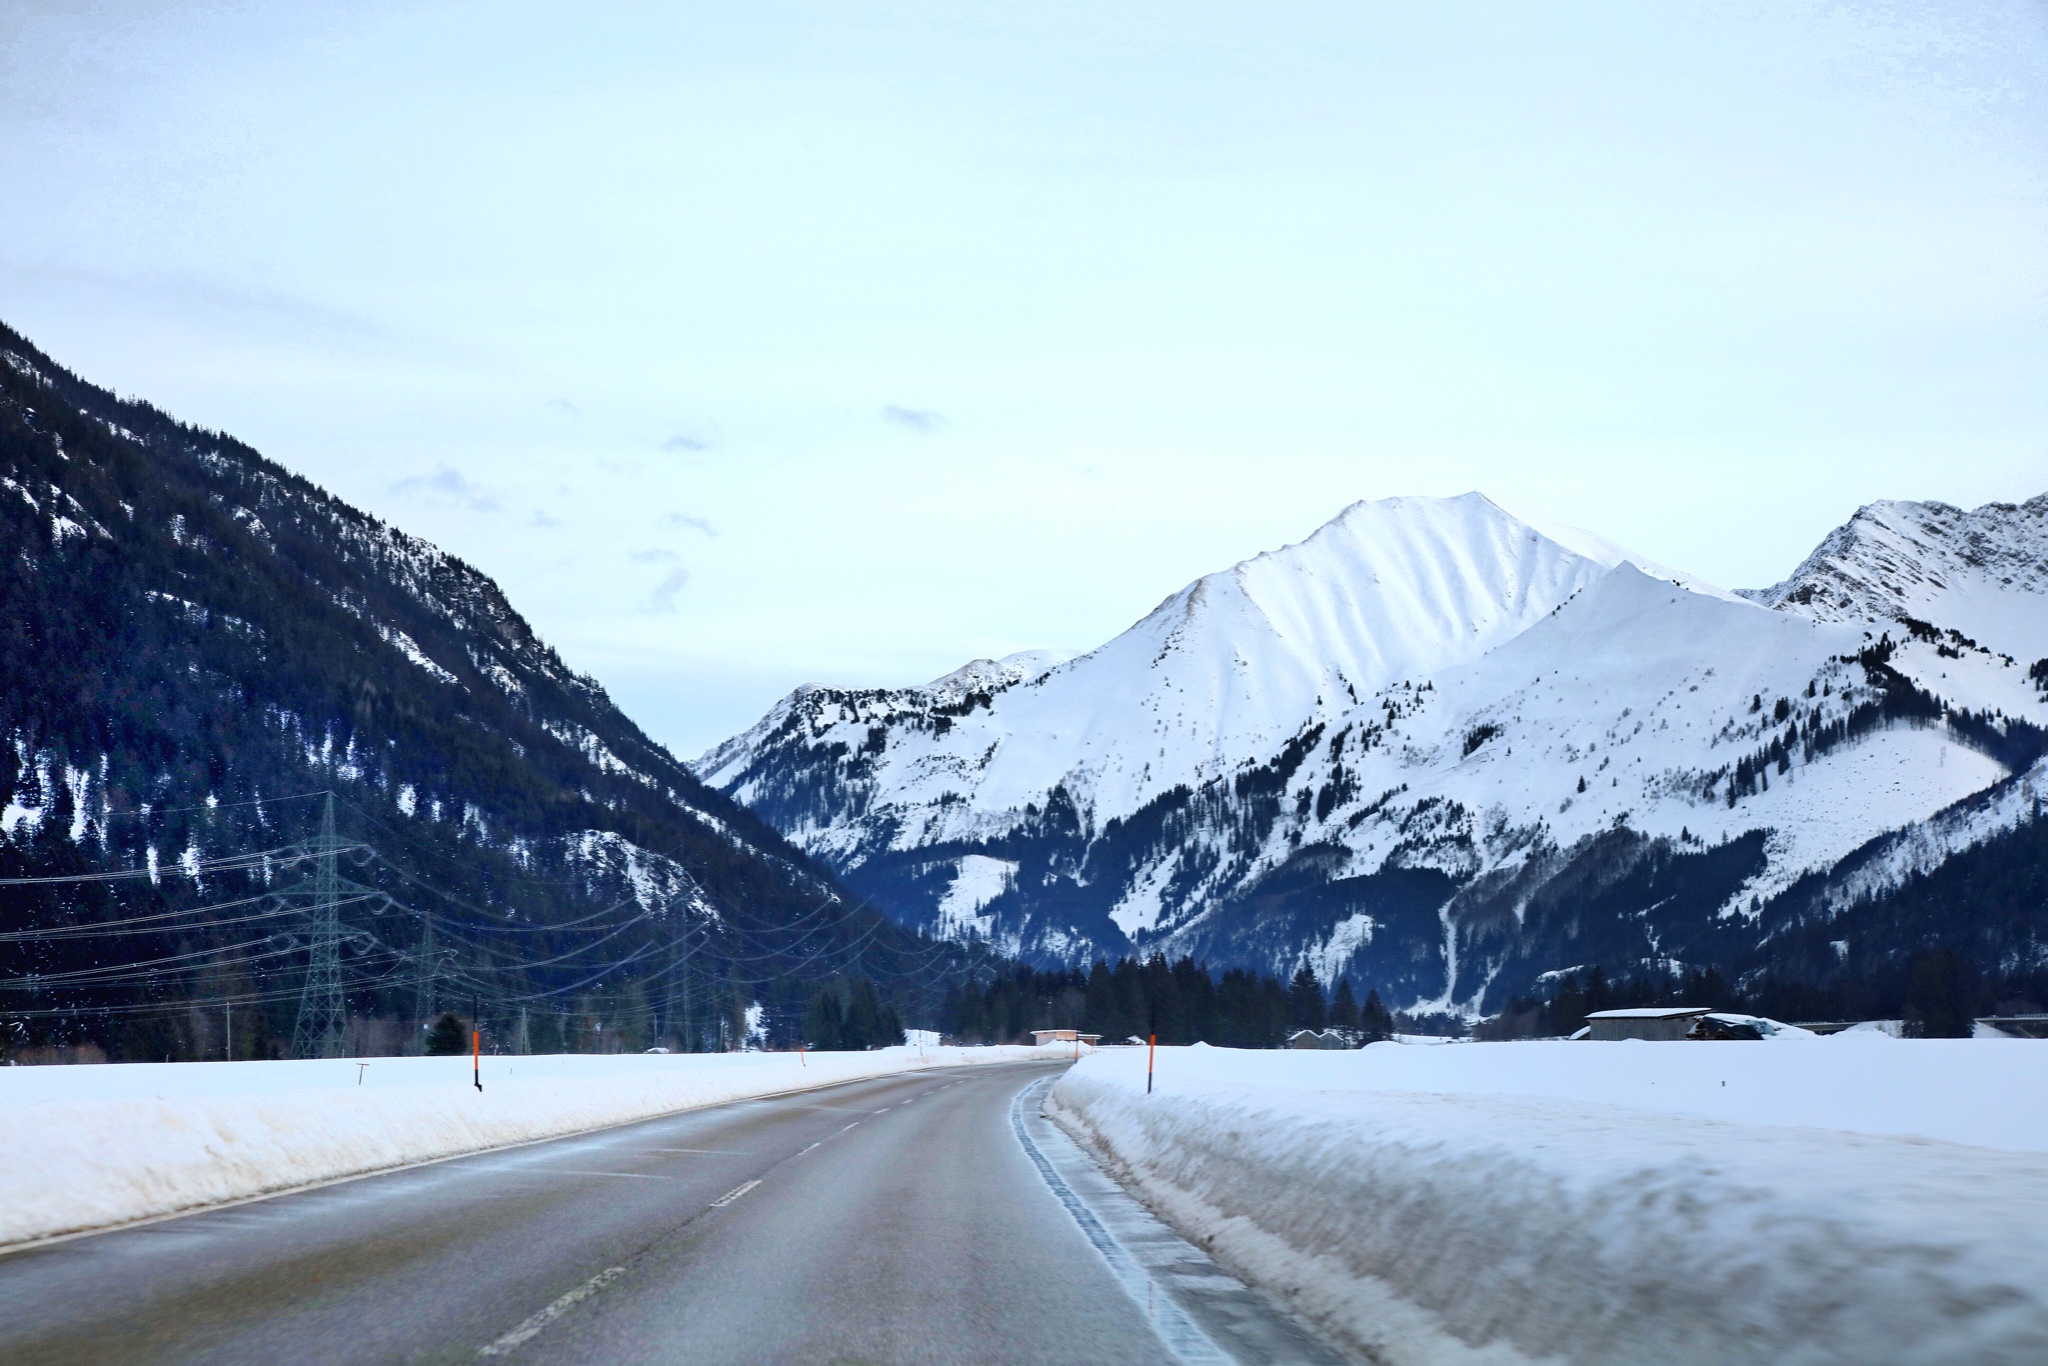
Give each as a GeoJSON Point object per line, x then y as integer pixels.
{"type": "Point", "coordinates": [800, 1061]}
{"type": "Point", "coordinates": [1151, 1050]}
{"type": "Point", "coordinates": [476, 1044]}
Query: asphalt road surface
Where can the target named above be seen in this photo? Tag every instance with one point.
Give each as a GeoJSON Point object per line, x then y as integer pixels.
{"type": "Point", "coordinates": [892, 1221]}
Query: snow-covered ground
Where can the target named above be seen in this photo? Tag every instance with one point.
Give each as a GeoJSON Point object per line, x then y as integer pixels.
{"type": "Point", "coordinates": [1804, 1200]}
{"type": "Point", "coordinates": [88, 1147]}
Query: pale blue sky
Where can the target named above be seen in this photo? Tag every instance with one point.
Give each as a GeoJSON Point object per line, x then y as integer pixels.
{"type": "Point", "coordinates": [754, 343]}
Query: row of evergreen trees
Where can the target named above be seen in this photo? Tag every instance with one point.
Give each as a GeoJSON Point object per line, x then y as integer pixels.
{"type": "Point", "coordinates": [850, 1015]}
{"type": "Point", "coordinates": [1936, 993]}
{"type": "Point", "coordinates": [1181, 1002]}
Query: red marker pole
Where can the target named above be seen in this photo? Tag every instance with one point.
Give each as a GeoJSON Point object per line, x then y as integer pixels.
{"type": "Point", "coordinates": [801, 1061]}
{"type": "Point", "coordinates": [1151, 1049]}
{"type": "Point", "coordinates": [476, 1045]}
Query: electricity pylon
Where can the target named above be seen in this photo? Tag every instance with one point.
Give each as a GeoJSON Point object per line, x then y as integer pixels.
{"type": "Point", "coordinates": [322, 1028]}
{"type": "Point", "coordinates": [427, 975]}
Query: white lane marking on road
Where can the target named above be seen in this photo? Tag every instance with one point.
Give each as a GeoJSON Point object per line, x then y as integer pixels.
{"type": "Point", "coordinates": [637, 1176]}
{"type": "Point", "coordinates": [735, 1193]}
{"type": "Point", "coordinates": [1176, 1330]}
{"type": "Point", "coordinates": [552, 1312]}
{"type": "Point", "coordinates": [708, 1152]}
{"type": "Point", "coordinates": [854, 1125]}
{"type": "Point", "coordinates": [808, 1149]}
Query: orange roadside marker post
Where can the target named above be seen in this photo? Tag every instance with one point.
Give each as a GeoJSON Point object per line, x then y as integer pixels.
{"type": "Point", "coordinates": [476, 1044]}
{"type": "Point", "coordinates": [1151, 1049]}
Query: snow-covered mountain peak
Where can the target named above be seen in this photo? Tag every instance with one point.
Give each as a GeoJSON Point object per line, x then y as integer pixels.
{"type": "Point", "coordinates": [993, 675]}
{"type": "Point", "coordinates": [1220, 675]}
{"type": "Point", "coordinates": [1454, 752]}
{"type": "Point", "coordinates": [1387, 589]}
{"type": "Point", "coordinates": [1982, 572]}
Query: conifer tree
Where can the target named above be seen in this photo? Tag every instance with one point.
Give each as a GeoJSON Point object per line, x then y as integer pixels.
{"type": "Point", "coordinates": [1305, 1000]}
{"type": "Point", "coordinates": [448, 1037]}
{"type": "Point", "coordinates": [1344, 1006]}
{"type": "Point", "coordinates": [1375, 1021]}
{"type": "Point", "coordinates": [1939, 997]}
{"type": "Point", "coordinates": [822, 1019]}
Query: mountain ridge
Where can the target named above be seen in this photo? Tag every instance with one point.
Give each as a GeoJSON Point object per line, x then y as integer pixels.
{"type": "Point", "coordinates": [201, 636]}
{"type": "Point", "coordinates": [1475, 770]}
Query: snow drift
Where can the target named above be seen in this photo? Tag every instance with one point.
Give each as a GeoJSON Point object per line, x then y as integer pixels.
{"type": "Point", "coordinates": [1807, 1201]}
{"type": "Point", "coordinates": [90, 1147]}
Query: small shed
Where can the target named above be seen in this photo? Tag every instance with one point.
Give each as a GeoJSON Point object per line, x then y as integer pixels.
{"type": "Point", "coordinates": [1644, 1022]}
{"type": "Point", "coordinates": [1046, 1036]}
{"type": "Point", "coordinates": [1327, 1038]}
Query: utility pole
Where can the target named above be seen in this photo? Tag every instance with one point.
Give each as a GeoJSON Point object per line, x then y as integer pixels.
{"type": "Point", "coordinates": [689, 1020]}
{"type": "Point", "coordinates": [426, 974]}
{"type": "Point", "coordinates": [323, 1011]}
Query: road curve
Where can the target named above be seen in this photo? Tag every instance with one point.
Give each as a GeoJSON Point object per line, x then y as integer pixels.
{"type": "Point", "coordinates": [889, 1221]}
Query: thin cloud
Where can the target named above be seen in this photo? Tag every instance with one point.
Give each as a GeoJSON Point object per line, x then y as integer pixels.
{"type": "Point", "coordinates": [565, 406]}
{"type": "Point", "coordinates": [923, 421]}
{"type": "Point", "coordinates": [543, 519]}
{"type": "Point", "coordinates": [663, 598]}
{"type": "Point", "coordinates": [682, 520]}
{"type": "Point", "coordinates": [683, 442]}
{"type": "Point", "coordinates": [656, 556]}
{"type": "Point", "coordinates": [452, 484]}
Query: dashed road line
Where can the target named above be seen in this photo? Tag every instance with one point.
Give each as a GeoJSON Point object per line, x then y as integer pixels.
{"type": "Point", "coordinates": [554, 1311]}
{"type": "Point", "coordinates": [735, 1193]}
{"type": "Point", "coordinates": [708, 1152]}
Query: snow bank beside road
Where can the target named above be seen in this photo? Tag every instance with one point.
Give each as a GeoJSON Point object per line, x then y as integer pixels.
{"type": "Point", "coordinates": [1513, 1203]}
{"type": "Point", "coordinates": [88, 1147]}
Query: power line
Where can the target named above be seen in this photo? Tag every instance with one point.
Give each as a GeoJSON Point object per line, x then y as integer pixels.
{"type": "Point", "coordinates": [233, 863]}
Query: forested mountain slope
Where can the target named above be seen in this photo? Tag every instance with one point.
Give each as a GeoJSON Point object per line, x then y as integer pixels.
{"type": "Point", "coordinates": [198, 644]}
{"type": "Point", "coordinates": [1451, 754]}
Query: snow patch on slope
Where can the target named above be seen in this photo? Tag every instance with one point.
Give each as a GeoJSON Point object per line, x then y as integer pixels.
{"type": "Point", "coordinates": [978, 881]}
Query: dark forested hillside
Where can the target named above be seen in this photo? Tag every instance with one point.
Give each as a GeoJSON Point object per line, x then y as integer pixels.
{"type": "Point", "coordinates": [198, 649]}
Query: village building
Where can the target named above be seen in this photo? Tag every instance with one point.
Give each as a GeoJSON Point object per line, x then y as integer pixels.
{"type": "Point", "coordinates": [1644, 1022]}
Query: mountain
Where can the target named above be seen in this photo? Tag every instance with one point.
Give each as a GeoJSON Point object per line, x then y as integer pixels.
{"type": "Point", "coordinates": [201, 647]}
{"type": "Point", "coordinates": [1449, 753]}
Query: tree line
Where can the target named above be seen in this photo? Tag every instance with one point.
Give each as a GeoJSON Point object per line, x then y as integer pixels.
{"type": "Point", "coordinates": [1181, 1002]}
{"type": "Point", "coordinates": [1935, 994]}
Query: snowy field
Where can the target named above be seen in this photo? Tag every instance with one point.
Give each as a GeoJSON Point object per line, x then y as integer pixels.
{"type": "Point", "coordinates": [1804, 1200]}
{"type": "Point", "coordinates": [87, 1147]}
